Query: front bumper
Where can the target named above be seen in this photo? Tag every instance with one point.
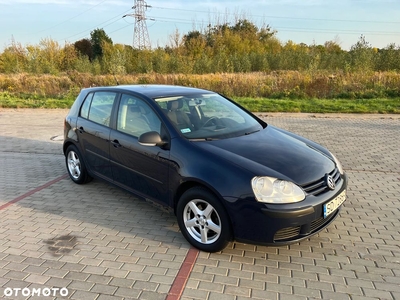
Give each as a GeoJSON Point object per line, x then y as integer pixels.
{"type": "Point", "coordinates": [284, 224]}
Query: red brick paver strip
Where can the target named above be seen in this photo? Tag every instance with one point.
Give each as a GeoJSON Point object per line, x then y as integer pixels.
{"type": "Point", "coordinates": [30, 193]}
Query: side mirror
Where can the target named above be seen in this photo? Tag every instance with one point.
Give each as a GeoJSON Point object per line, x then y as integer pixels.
{"type": "Point", "coordinates": [151, 139]}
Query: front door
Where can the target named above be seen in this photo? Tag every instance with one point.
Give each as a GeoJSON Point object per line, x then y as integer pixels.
{"type": "Point", "coordinates": [141, 169]}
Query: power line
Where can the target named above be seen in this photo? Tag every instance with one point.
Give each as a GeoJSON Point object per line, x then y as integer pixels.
{"type": "Point", "coordinates": [115, 18]}
{"type": "Point", "coordinates": [63, 22]}
{"type": "Point", "coordinates": [287, 29]}
{"type": "Point", "coordinates": [280, 17]}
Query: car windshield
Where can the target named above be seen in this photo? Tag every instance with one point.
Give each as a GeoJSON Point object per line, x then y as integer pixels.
{"type": "Point", "coordinates": [207, 116]}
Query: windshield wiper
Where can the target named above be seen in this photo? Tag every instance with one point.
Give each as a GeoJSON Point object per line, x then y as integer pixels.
{"type": "Point", "coordinates": [247, 133]}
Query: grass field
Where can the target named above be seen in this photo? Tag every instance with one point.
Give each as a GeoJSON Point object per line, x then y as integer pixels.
{"type": "Point", "coordinates": [382, 106]}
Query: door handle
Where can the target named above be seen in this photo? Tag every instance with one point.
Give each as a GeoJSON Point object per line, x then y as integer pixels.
{"type": "Point", "coordinates": [81, 130]}
{"type": "Point", "coordinates": [116, 144]}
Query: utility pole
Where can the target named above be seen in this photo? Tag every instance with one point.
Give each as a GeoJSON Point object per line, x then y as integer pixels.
{"type": "Point", "coordinates": [141, 39]}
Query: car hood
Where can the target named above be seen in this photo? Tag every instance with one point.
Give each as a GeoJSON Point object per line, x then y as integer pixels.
{"type": "Point", "coordinates": [272, 152]}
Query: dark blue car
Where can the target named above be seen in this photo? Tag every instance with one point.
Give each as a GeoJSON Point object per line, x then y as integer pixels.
{"type": "Point", "coordinates": [225, 173]}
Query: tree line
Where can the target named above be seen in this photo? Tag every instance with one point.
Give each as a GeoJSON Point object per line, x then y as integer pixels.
{"type": "Point", "coordinates": [239, 48]}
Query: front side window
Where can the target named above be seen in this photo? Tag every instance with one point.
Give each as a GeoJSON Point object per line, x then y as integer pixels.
{"type": "Point", "coordinates": [135, 117]}
{"type": "Point", "coordinates": [98, 106]}
{"type": "Point", "coordinates": [207, 116]}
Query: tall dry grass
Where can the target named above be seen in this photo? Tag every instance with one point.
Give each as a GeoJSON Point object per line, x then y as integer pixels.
{"type": "Point", "coordinates": [279, 84]}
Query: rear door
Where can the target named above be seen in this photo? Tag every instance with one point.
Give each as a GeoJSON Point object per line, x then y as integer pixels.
{"type": "Point", "coordinates": [141, 169]}
{"type": "Point", "coordinates": [93, 130]}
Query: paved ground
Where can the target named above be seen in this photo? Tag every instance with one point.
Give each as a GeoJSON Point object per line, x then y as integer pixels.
{"type": "Point", "coordinates": [98, 242]}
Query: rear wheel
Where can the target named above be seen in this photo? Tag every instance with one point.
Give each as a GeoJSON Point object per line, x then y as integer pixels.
{"type": "Point", "coordinates": [203, 220]}
{"type": "Point", "coordinates": [76, 166]}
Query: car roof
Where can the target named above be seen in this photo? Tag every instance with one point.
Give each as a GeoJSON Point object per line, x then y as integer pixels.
{"type": "Point", "coordinates": [157, 90]}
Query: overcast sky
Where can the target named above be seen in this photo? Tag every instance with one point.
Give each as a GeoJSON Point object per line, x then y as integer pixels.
{"type": "Point", "coordinates": [302, 21]}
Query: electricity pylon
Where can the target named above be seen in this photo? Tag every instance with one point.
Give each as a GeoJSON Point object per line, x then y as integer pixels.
{"type": "Point", "coordinates": [141, 39]}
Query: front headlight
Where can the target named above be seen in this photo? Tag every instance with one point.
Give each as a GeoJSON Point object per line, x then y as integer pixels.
{"type": "Point", "coordinates": [272, 190]}
{"type": "Point", "coordinates": [338, 164]}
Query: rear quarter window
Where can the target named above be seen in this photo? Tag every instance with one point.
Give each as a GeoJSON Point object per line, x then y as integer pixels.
{"type": "Point", "coordinates": [98, 107]}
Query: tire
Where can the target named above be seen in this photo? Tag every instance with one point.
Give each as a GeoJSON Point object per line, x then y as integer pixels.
{"type": "Point", "coordinates": [76, 166]}
{"type": "Point", "coordinates": [203, 220]}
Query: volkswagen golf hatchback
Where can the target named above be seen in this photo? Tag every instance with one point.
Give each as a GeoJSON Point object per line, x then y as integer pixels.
{"type": "Point", "coordinates": [225, 173]}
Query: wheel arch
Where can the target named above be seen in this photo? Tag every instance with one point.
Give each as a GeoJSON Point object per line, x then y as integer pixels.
{"type": "Point", "coordinates": [66, 145]}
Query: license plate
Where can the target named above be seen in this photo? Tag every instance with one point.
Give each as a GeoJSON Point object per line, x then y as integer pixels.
{"type": "Point", "coordinates": [334, 204]}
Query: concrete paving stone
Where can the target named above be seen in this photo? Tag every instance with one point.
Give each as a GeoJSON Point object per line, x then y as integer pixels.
{"type": "Point", "coordinates": [201, 276]}
{"type": "Point", "coordinates": [56, 273]}
{"type": "Point", "coordinates": [116, 273]}
{"type": "Point", "coordinates": [266, 263]}
{"type": "Point", "coordinates": [266, 278]}
{"type": "Point", "coordinates": [108, 297]}
{"type": "Point", "coordinates": [251, 284]}
{"type": "Point", "coordinates": [385, 269]}
{"type": "Point", "coordinates": [90, 261]}
{"type": "Point", "coordinates": [79, 295]}
{"type": "Point", "coordinates": [103, 289]}
{"type": "Point", "coordinates": [80, 285]}
{"type": "Point", "coordinates": [395, 295]}
{"type": "Point", "coordinates": [308, 292]}
{"type": "Point", "coordinates": [335, 295]}
{"type": "Point", "coordinates": [35, 270]}
{"type": "Point", "coordinates": [210, 286]}
{"type": "Point", "coordinates": [148, 295]}
{"type": "Point", "coordinates": [356, 297]}
{"type": "Point", "coordinates": [121, 282]}
{"type": "Point", "coordinates": [279, 272]}
{"type": "Point", "coordinates": [94, 270]}
{"type": "Point", "coordinates": [195, 294]}
{"type": "Point", "coordinates": [192, 284]}
{"type": "Point", "coordinates": [131, 265]}
{"type": "Point", "coordinates": [232, 265]}
{"type": "Point", "coordinates": [290, 266]}
{"type": "Point", "coordinates": [291, 297]}
{"type": "Point", "coordinates": [292, 281]}
{"type": "Point", "coordinates": [127, 293]}
{"type": "Point", "coordinates": [350, 290]}
{"type": "Point", "coordinates": [58, 282]}
{"type": "Point", "coordinates": [17, 275]}
{"type": "Point", "coordinates": [36, 278]}
{"type": "Point", "coordinates": [225, 296]}
{"type": "Point", "coordinates": [240, 274]}
{"type": "Point", "coordinates": [280, 288]}
{"type": "Point", "coordinates": [312, 284]}
{"type": "Point", "coordinates": [387, 287]}
{"type": "Point", "coordinates": [162, 279]}
{"type": "Point", "coordinates": [216, 270]}
{"type": "Point", "coordinates": [77, 275]}
{"type": "Point", "coordinates": [259, 294]}
{"type": "Point", "coordinates": [145, 285]}
{"type": "Point", "coordinates": [226, 280]}
{"type": "Point", "coordinates": [3, 281]}
{"type": "Point", "coordinates": [148, 262]}
{"type": "Point", "coordinates": [378, 294]}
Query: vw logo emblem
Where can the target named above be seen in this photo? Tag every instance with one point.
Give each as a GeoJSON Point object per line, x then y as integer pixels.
{"type": "Point", "coordinates": [330, 182]}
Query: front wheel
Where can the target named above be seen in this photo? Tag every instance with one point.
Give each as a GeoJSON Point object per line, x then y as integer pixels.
{"type": "Point", "coordinates": [76, 166]}
{"type": "Point", "coordinates": [203, 220]}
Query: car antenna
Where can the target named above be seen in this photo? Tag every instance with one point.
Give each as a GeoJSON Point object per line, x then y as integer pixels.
{"type": "Point", "coordinates": [115, 77]}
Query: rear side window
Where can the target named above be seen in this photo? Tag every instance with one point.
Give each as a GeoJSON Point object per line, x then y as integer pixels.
{"type": "Point", "coordinates": [98, 106]}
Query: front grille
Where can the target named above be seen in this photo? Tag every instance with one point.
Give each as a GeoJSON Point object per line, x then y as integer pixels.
{"type": "Point", "coordinates": [320, 186]}
{"type": "Point", "coordinates": [287, 233]}
{"type": "Point", "coordinates": [293, 233]}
